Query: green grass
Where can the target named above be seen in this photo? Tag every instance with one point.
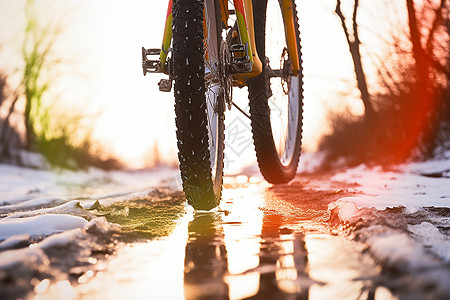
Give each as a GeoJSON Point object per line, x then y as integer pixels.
{"type": "Point", "coordinates": [144, 218]}
{"type": "Point", "coordinates": [49, 130]}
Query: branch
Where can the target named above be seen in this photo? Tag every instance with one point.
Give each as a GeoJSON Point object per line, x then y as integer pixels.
{"type": "Point", "coordinates": [5, 125]}
{"type": "Point", "coordinates": [415, 37]}
{"type": "Point", "coordinates": [439, 67]}
{"type": "Point", "coordinates": [342, 18]}
{"type": "Point", "coordinates": [438, 18]}
{"type": "Point", "coordinates": [355, 25]}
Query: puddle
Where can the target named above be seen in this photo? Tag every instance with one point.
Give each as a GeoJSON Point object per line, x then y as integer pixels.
{"type": "Point", "coordinates": [252, 247]}
{"type": "Point", "coordinates": [262, 242]}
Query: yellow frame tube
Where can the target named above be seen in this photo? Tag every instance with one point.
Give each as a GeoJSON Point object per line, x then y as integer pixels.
{"type": "Point", "coordinates": [167, 36]}
{"type": "Point", "coordinates": [224, 11]}
{"type": "Point", "coordinates": [287, 9]}
{"type": "Point", "coordinates": [257, 64]}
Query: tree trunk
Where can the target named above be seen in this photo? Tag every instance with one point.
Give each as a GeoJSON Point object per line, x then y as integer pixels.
{"type": "Point", "coordinates": [356, 57]}
{"type": "Point", "coordinates": [422, 101]}
{"type": "Point", "coordinates": [4, 130]}
{"type": "Point", "coordinates": [420, 57]}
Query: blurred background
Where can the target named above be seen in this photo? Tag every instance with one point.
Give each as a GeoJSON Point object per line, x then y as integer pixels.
{"type": "Point", "coordinates": [73, 89]}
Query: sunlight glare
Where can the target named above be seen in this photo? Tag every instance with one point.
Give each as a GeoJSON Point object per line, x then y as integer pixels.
{"type": "Point", "coordinates": [151, 270]}
{"type": "Point", "coordinates": [243, 286]}
{"type": "Point", "coordinates": [243, 241]}
{"type": "Point", "coordinates": [42, 286]}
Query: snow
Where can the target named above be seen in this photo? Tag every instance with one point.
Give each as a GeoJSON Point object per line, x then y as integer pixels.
{"type": "Point", "coordinates": [49, 209]}
{"type": "Point", "coordinates": [41, 225]}
{"type": "Point", "coordinates": [70, 207]}
{"type": "Point", "coordinates": [14, 241]}
{"type": "Point", "coordinates": [411, 203]}
{"type": "Point", "coordinates": [23, 204]}
{"type": "Point", "coordinates": [431, 237]}
{"type": "Point", "coordinates": [20, 184]}
{"type": "Point", "coordinates": [35, 252]}
{"type": "Point", "coordinates": [409, 187]}
{"type": "Point", "coordinates": [12, 258]}
{"type": "Point", "coordinates": [40, 210]}
{"type": "Point", "coordinates": [405, 186]}
{"type": "Point", "coordinates": [347, 209]}
{"type": "Point", "coordinates": [399, 249]}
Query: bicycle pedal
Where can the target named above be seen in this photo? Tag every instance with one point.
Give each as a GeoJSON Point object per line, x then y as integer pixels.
{"type": "Point", "coordinates": [150, 65]}
{"type": "Point", "coordinates": [238, 48]}
{"type": "Point", "coordinates": [240, 61]}
{"type": "Point", "coordinates": [165, 85]}
{"type": "Point", "coordinates": [241, 65]}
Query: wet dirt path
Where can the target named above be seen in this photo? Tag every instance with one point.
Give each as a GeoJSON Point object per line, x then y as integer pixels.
{"type": "Point", "coordinates": [262, 243]}
{"type": "Point", "coordinates": [131, 236]}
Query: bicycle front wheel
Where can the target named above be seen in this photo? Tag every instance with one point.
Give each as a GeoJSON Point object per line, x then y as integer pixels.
{"type": "Point", "coordinates": [276, 95]}
{"type": "Point", "coordinates": [199, 106]}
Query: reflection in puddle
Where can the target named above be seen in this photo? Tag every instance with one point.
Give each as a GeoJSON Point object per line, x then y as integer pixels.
{"type": "Point", "coordinates": [205, 263]}
{"type": "Point", "coordinates": [244, 253]}
{"type": "Point", "coordinates": [242, 241]}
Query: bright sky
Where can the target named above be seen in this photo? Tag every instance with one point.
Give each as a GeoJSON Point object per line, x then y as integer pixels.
{"type": "Point", "coordinates": [100, 47]}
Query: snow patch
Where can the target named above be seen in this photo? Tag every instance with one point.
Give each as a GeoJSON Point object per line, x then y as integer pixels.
{"type": "Point", "coordinates": [398, 249]}
{"type": "Point", "coordinates": [12, 258]}
{"type": "Point", "coordinates": [432, 238]}
{"type": "Point", "coordinates": [27, 187]}
{"type": "Point", "coordinates": [31, 203]}
{"type": "Point", "coordinates": [411, 187]}
{"type": "Point", "coordinates": [13, 241]}
{"type": "Point", "coordinates": [427, 167]}
{"type": "Point", "coordinates": [42, 225]}
{"type": "Point", "coordinates": [71, 207]}
{"type": "Point", "coordinates": [347, 209]}
{"type": "Point", "coordinates": [35, 252]}
{"type": "Point", "coordinates": [401, 187]}
{"type": "Point", "coordinates": [76, 233]}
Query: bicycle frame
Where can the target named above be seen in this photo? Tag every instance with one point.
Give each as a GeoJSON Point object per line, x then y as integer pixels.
{"type": "Point", "coordinates": [214, 51]}
{"type": "Point", "coordinates": [244, 19]}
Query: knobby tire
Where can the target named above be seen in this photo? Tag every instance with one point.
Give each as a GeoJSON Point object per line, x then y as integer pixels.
{"type": "Point", "coordinates": [202, 184]}
{"type": "Point", "coordinates": [269, 161]}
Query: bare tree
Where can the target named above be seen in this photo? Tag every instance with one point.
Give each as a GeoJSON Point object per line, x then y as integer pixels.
{"type": "Point", "coordinates": [414, 106]}
{"type": "Point", "coordinates": [9, 137]}
{"type": "Point", "coordinates": [354, 47]}
{"type": "Point", "coordinates": [427, 67]}
{"type": "Point", "coordinates": [419, 54]}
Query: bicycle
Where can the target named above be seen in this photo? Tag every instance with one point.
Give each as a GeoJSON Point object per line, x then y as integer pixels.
{"type": "Point", "coordinates": [207, 59]}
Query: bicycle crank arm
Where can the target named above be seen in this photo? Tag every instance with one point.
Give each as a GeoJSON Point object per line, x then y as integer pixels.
{"type": "Point", "coordinates": [274, 73]}
{"type": "Point", "coordinates": [283, 73]}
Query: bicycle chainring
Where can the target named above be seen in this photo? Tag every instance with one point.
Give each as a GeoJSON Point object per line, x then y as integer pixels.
{"type": "Point", "coordinates": [226, 79]}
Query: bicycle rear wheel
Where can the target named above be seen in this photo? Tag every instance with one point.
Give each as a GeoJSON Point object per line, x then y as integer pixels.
{"type": "Point", "coordinates": [276, 95]}
{"type": "Point", "coordinates": [199, 100]}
